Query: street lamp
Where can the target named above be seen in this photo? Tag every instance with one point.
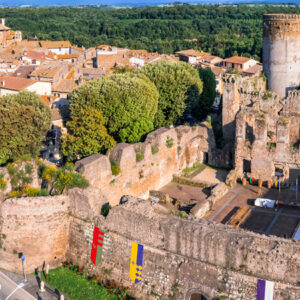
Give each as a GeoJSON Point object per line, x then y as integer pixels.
{"type": "Point", "coordinates": [22, 256]}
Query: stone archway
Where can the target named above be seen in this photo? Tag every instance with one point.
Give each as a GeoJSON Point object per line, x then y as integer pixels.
{"type": "Point", "coordinates": [196, 294]}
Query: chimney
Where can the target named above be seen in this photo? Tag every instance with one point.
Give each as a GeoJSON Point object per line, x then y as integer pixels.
{"type": "Point", "coordinates": [3, 21]}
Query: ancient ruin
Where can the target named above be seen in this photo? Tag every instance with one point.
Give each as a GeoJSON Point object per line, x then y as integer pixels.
{"type": "Point", "coordinates": [208, 252]}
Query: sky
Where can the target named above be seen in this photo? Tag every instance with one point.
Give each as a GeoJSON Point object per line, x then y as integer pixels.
{"type": "Point", "coordinates": [127, 2]}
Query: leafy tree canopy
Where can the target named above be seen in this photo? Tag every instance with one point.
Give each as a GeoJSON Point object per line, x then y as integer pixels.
{"type": "Point", "coordinates": [24, 121]}
{"type": "Point", "coordinates": [223, 30]}
{"type": "Point", "coordinates": [179, 87]}
{"type": "Point", "coordinates": [136, 131]}
{"type": "Point", "coordinates": [87, 136]}
{"type": "Point", "coordinates": [122, 99]}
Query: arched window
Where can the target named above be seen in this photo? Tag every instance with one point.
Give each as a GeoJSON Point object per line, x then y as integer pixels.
{"type": "Point", "coordinates": [197, 296]}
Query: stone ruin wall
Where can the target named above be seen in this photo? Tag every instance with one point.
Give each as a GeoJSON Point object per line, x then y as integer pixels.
{"type": "Point", "coordinates": [268, 135]}
{"type": "Point", "coordinates": [181, 256]}
{"type": "Point", "coordinates": [238, 91]}
{"type": "Point", "coordinates": [190, 145]}
{"type": "Point", "coordinates": [38, 227]}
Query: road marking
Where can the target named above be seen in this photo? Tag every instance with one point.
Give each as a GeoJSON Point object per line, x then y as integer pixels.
{"type": "Point", "coordinates": [273, 221]}
{"type": "Point", "coordinates": [11, 281]}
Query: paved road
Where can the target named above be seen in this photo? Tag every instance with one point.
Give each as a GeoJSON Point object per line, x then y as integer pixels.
{"type": "Point", "coordinates": [8, 286]}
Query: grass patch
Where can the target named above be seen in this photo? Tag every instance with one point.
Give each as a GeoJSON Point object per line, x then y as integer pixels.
{"type": "Point", "coordinates": [189, 182]}
{"type": "Point", "coordinates": [77, 287]}
{"type": "Point", "coordinates": [188, 171]}
{"type": "Point", "coordinates": [115, 169]}
{"type": "Point", "coordinates": [154, 149]}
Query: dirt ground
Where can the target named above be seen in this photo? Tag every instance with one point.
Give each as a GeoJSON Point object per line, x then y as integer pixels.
{"type": "Point", "coordinates": [211, 175]}
{"type": "Point", "coordinates": [282, 222]}
{"type": "Point", "coordinates": [185, 192]}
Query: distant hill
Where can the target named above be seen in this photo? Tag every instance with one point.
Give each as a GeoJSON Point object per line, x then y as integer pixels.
{"type": "Point", "coordinates": [16, 3]}
{"type": "Point", "coordinates": [222, 30]}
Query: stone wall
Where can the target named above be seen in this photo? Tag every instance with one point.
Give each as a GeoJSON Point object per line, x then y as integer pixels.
{"type": "Point", "coordinates": [268, 136]}
{"type": "Point", "coordinates": [159, 161]}
{"type": "Point", "coordinates": [38, 227]}
{"type": "Point", "coordinates": [238, 91]}
{"type": "Point", "coordinates": [281, 43]}
{"type": "Point", "coordinates": [181, 256]}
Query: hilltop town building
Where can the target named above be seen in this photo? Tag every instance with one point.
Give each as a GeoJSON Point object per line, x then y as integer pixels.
{"type": "Point", "coordinates": [8, 36]}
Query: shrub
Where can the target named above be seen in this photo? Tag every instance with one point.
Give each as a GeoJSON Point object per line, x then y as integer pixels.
{"type": "Point", "coordinates": [154, 149]}
{"type": "Point", "coordinates": [115, 169]}
{"type": "Point", "coordinates": [169, 142]}
{"type": "Point", "coordinates": [139, 155]}
{"type": "Point", "coordinates": [34, 192]}
{"type": "Point", "coordinates": [15, 194]}
{"type": "Point", "coordinates": [28, 168]}
{"type": "Point", "coordinates": [105, 209]}
{"type": "Point", "coordinates": [208, 119]}
{"type": "Point", "coordinates": [62, 178]}
{"type": "Point", "coordinates": [65, 180]}
{"type": "Point", "coordinates": [178, 150]}
{"type": "Point", "coordinates": [3, 182]}
{"type": "Point", "coordinates": [19, 176]}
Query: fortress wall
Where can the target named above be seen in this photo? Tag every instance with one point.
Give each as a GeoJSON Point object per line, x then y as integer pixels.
{"type": "Point", "coordinates": [182, 255]}
{"type": "Point", "coordinates": [38, 227]}
{"type": "Point", "coordinates": [281, 59]}
{"type": "Point", "coordinates": [157, 166]}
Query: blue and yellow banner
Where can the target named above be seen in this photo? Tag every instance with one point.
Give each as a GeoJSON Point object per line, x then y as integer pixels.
{"type": "Point", "coordinates": [136, 262]}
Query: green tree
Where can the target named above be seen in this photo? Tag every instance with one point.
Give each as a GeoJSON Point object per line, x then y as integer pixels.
{"type": "Point", "coordinates": [87, 136]}
{"type": "Point", "coordinates": [208, 95]}
{"type": "Point", "coordinates": [179, 88]}
{"type": "Point", "coordinates": [136, 131]}
{"type": "Point", "coordinates": [24, 121]}
{"type": "Point", "coordinates": [122, 99]}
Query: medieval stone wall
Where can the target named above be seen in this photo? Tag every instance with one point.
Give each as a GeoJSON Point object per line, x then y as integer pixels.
{"type": "Point", "coordinates": [164, 153]}
{"type": "Point", "coordinates": [181, 256]}
{"type": "Point", "coordinates": [38, 227]}
{"type": "Point", "coordinates": [238, 91]}
{"type": "Point", "coordinates": [268, 135]}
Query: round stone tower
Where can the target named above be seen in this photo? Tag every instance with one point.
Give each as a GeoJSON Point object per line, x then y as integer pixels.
{"type": "Point", "coordinates": [281, 52]}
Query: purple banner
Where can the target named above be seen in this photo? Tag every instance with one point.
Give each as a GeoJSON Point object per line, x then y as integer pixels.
{"type": "Point", "coordinates": [261, 287]}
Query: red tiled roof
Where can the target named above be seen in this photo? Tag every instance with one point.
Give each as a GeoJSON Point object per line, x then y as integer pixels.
{"type": "Point", "coordinates": [15, 83]}
{"type": "Point", "coordinates": [237, 59]}
{"type": "Point", "coordinates": [55, 44]}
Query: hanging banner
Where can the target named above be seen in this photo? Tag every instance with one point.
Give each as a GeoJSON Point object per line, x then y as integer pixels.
{"type": "Point", "coordinates": [96, 252]}
{"type": "Point", "coordinates": [276, 184]}
{"type": "Point", "coordinates": [136, 262]}
{"type": "Point", "coordinates": [265, 290]}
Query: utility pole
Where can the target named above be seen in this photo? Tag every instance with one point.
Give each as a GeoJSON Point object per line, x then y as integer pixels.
{"type": "Point", "coordinates": [296, 190]}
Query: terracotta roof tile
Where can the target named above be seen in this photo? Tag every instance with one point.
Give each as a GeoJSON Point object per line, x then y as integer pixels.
{"type": "Point", "coordinates": [237, 59]}
{"type": "Point", "coordinates": [55, 44]}
{"type": "Point", "coordinates": [15, 83]}
{"type": "Point", "coordinates": [192, 52]}
{"type": "Point", "coordinates": [65, 86]}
